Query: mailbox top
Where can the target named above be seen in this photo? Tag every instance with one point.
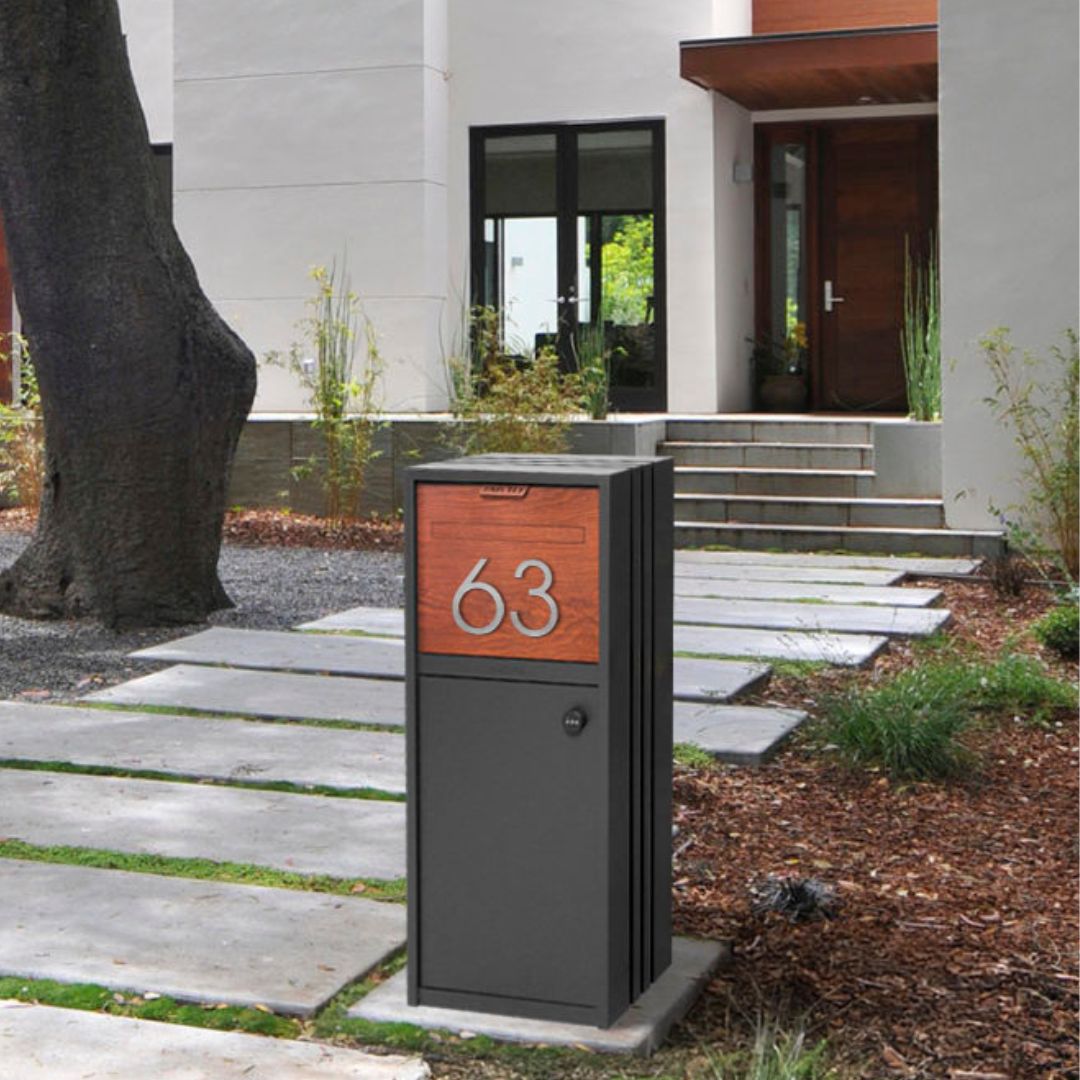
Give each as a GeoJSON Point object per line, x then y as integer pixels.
{"type": "Point", "coordinates": [560, 468]}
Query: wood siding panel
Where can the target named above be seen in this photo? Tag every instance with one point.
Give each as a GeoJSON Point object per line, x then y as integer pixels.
{"type": "Point", "coordinates": [460, 524]}
{"type": "Point", "coordinates": [795, 16]}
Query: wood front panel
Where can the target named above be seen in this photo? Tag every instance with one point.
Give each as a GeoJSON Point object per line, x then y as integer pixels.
{"type": "Point", "coordinates": [458, 525]}
{"type": "Point", "coordinates": [879, 185]}
{"type": "Point", "coordinates": [794, 16]}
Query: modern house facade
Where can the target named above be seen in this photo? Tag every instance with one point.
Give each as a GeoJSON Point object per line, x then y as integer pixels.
{"type": "Point", "coordinates": [695, 175]}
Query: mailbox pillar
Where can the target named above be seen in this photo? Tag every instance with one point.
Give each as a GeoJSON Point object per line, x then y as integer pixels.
{"type": "Point", "coordinates": [539, 690]}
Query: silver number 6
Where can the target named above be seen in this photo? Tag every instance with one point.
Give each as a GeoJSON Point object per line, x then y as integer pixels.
{"type": "Point", "coordinates": [542, 592]}
{"type": "Point", "coordinates": [467, 586]}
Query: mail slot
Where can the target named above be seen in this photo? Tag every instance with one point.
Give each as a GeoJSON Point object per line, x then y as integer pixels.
{"type": "Point", "coordinates": [538, 672]}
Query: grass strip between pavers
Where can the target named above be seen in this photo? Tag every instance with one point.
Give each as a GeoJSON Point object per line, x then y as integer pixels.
{"type": "Point", "coordinates": [245, 718]}
{"type": "Point", "coordinates": [258, 1020]}
{"type": "Point", "coordinates": [390, 891]}
{"type": "Point", "coordinates": [30, 765]}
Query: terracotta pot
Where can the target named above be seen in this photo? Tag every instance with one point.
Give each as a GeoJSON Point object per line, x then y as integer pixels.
{"type": "Point", "coordinates": [783, 393]}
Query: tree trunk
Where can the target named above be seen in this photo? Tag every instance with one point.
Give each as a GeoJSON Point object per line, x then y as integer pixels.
{"type": "Point", "coordinates": [144, 388]}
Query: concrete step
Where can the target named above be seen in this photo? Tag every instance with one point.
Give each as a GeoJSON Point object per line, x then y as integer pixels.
{"type": "Point", "coordinates": [804, 429]}
{"type": "Point", "coordinates": [811, 510]}
{"type": "Point", "coordinates": [750, 562]}
{"type": "Point", "coordinates": [780, 455]}
{"type": "Point", "coordinates": [736, 480]}
{"type": "Point", "coordinates": [888, 540]}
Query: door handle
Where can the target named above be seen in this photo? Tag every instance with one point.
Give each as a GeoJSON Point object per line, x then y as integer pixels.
{"type": "Point", "coordinates": [830, 299]}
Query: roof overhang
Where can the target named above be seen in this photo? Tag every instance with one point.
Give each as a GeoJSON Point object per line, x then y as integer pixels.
{"type": "Point", "coordinates": [887, 65]}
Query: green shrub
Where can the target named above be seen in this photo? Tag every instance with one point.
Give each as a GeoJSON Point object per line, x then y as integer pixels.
{"type": "Point", "coordinates": [920, 335]}
{"type": "Point", "coordinates": [505, 403]}
{"type": "Point", "coordinates": [1060, 630]}
{"type": "Point", "coordinates": [343, 390]}
{"type": "Point", "coordinates": [909, 727]}
{"type": "Point", "coordinates": [22, 441]}
{"type": "Point", "coordinates": [1039, 401]}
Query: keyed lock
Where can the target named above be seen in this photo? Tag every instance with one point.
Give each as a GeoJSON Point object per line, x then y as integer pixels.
{"type": "Point", "coordinates": [574, 722]}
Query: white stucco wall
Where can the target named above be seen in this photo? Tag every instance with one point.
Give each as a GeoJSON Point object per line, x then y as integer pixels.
{"type": "Point", "coordinates": [595, 62]}
{"type": "Point", "coordinates": [148, 28]}
{"type": "Point", "coordinates": [307, 133]}
{"type": "Point", "coordinates": [1009, 219]}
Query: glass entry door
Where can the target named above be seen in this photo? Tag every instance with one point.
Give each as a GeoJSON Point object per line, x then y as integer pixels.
{"type": "Point", "coordinates": [567, 242]}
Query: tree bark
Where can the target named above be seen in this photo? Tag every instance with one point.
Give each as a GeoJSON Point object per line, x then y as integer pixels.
{"type": "Point", "coordinates": [144, 388]}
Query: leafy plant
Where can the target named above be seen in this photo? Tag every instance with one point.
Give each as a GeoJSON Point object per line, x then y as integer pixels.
{"type": "Point", "coordinates": [22, 443]}
{"type": "Point", "coordinates": [909, 727]}
{"type": "Point", "coordinates": [1059, 629]}
{"type": "Point", "coordinates": [776, 1055]}
{"type": "Point", "coordinates": [507, 404]}
{"type": "Point", "coordinates": [593, 369]}
{"type": "Point", "coordinates": [342, 390]}
{"type": "Point", "coordinates": [1040, 402]}
{"type": "Point", "coordinates": [920, 334]}
{"type": "Point", "coordinates": [626, 266]}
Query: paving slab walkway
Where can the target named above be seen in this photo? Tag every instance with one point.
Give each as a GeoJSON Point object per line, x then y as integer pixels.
{"type": "Point", "coordinates": [278, 695]}
{"type": "Point", "coordinates": [38, 1042]}
{"type": "Point", "coordinates": [259, 650]}
{"type": "Point", "coordinates": [791, 615]}
{"type": "Point", "coordinates": [787, 642]}
{"type": "Point", "coordinates": [841, 650]}
{"type": "Point", "coordinates": [737, 734]}
{"type": "Point", "coordinates": [192, 940]}
{"type": "Point", "coordinates": [379, 658]}
{"type": "Point", "coordinates": [302, 833]}
{"type": "Point", "coordinates": [240, 751]}
{"type": "Point", "coordinates": [790, 574]}
{"type": "Point", "coordinates": [920, 566]}
{"type": "Point", "coordinates": [749, 588]}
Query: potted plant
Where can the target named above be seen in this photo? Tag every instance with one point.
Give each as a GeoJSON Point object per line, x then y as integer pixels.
{"type": "Point", "coordinates": [780, 370]}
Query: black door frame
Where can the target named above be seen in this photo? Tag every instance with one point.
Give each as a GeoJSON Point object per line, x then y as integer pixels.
{"type": "Point", "coordinates": [625, 399]}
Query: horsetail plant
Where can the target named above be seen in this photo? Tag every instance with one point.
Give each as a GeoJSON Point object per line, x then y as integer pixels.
{"type": "Point", "coordinates": [920, 335]}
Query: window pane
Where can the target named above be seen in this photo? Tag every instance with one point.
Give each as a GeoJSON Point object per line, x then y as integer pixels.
{"type": "Point", "coordinates": [788, 287]}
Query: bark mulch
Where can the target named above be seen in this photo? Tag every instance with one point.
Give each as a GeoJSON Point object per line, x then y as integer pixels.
{"type": "Point", "coordinates": [954, 953]}
{"type": "Point", "coordinates": [278, 528]}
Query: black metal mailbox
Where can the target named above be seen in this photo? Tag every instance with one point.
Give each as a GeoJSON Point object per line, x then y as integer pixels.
{"type": "Point", "coordinates": [538, 671]}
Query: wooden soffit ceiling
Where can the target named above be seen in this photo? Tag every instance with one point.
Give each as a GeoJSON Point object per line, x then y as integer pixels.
{"type": "Point", "coordinates": [883, 66]}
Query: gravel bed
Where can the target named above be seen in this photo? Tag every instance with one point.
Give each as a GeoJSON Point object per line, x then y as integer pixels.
{"type": "Point", "coordinates": [273, 588]}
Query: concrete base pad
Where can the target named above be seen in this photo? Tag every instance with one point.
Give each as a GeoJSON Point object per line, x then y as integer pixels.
{"type": "Point", "coordinates": [641, 1030]}
{"type": "Point", "coordinates": [44, 1043]}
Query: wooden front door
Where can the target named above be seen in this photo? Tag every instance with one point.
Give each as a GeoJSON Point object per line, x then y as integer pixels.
{"type": "Point", "coordinates": [878, 190]}
{"type": "Point", "coordinates": [836, 201]}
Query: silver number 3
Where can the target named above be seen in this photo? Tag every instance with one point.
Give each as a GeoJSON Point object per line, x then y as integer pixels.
{"type": "Point", "coordinates": [542, 592]}
{"type": "Point", "coordinates": [471, 583]}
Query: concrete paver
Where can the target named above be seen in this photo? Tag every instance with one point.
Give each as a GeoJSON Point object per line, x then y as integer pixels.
{"type": "Point", "coordinates": [274, 694]}
{"type": "Point", "coordinates": [843, 650]}
{"type": "Point", "coordinates": [301, 696]}
{"type": "Point", "coordinates": [738, 734]}
{"type": "Point", "coordinates": [788, 615]}
{"type": "Point", "coordinates": [303, 833]}
{"type": "Point", "coordinates": [640, 1031]}
{"type": "Point", "coordinates": [380, 658]}
{"type": "Point", "coordinates": [38, 1042]}
{"type": "Point", "coordinates": [789, 574]}
{"type": "Point", "coordinates": [236, 750]}
{"type": "Point", "coordinates": [823, 592]}
{"type": "Point", "coordinates": [925, 566]}
{"type": "Point", "coordinates": [192, 940]}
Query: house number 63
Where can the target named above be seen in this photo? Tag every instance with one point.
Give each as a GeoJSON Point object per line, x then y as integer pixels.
{"type": "Point", "coordinates": [471, 584]}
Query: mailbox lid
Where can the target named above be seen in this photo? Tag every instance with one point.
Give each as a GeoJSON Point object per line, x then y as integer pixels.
{"type": "Point", "coordinates": [508, 570]}
{"type": "Point", "coordinates": [514, 850]}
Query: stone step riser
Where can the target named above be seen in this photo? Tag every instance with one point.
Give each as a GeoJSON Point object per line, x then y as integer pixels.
{"type": "Point", "coordinates": [802, 431]}
{"type": "Point", "coordinates": [826, 514]}
{"type": "Point", "coordinates": [893, 542]}
{"type": "Point", "coordinates": [770, 456]}
{"type": "Point", "coordinates": [737, 482]}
